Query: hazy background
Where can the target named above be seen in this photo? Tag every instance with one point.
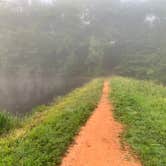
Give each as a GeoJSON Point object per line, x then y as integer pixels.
{"type": "Point", "coordinates": [47, 48]}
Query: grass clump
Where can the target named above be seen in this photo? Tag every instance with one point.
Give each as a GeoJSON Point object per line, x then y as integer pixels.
{"type": "Point", "coordinates": [141, 106]}
{"type": "Point", "coordinates": [45, 137]}
{"type": "Point", "coordinates": [7, 122]}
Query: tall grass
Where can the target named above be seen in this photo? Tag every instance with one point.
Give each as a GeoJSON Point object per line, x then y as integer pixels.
{"type": "Point", "coordinates": [46, 136]}
{"type": "Point", "coordinates": [7, 122]}
{"type": "Point", "coordinates": [141, 106]}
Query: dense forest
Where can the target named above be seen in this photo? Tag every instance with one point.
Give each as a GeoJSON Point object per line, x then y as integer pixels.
{"type": "Point", "coordinates": [50, 47]}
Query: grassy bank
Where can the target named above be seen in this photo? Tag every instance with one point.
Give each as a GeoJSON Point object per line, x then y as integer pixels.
{"type": "Point", "coordinates": [141, 106]}
{"type": "Point", "coordinates": [45, 137]}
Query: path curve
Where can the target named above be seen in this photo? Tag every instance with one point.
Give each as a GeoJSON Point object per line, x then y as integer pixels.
{"type": "Point", "coordinates": [98, 143]}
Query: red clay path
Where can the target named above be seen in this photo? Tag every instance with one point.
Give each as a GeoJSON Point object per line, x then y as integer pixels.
{"type": "Point", "coordinates": [98, 143]}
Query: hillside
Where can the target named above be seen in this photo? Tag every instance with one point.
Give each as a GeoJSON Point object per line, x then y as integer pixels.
{"type": "Point", "coordinates": [82, 82]}
{"type": "Point", "coordinates": [141, 107]}
{"type": "Point", "coordinates": [138, 138]}
{"type": "Point", "coordinates": [44, 138]}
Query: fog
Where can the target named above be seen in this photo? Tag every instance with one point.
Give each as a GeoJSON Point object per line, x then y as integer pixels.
{"type": "Point", "coordinates": [20, 92]}
{"type": "Point", "coordinates": [134, 1]}
{"type": "Point", "coordinates": [50, 47]}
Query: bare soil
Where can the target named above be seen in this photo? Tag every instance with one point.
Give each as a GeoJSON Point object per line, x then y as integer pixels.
{"type": "Point", "coordinates": [98, 143]}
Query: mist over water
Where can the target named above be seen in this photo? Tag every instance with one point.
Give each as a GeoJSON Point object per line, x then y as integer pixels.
{"type": "Point", "coordinates": [19, 93]}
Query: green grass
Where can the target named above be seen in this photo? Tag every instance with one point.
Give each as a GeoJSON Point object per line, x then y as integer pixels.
{"type": "Point", "coordinates": [8, 122]}
{"type": "Point", "coordinates": [141, 107]}
{"type": "Point", "coordinates": [45, 137]}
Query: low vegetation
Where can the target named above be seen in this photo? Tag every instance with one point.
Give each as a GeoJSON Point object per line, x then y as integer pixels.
{"type": "Point", "coordinates": [45, 137]}
{"type": "Point", "coordinates": [141, 106]}
{"type": "Point", "coordinates": [8, 122]}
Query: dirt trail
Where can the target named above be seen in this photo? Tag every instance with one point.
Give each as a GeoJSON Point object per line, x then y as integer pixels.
{"type": "Point", "coordinates": [98, 143]}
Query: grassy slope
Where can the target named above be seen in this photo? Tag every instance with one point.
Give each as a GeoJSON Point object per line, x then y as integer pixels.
{"type": "Point", "coordinates": [141, 106]}
{"type": "Point", "coordinates": [44, 138]}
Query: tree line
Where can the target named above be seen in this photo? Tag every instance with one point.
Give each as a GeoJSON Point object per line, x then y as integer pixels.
{"type": "Point", "coordinates": [46, 45]}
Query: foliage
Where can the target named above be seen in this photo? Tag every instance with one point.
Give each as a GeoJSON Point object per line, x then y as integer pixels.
{"type": "Point", "coordinates": [151, 67]}
{"type": "Point", "coordinates": [45, 137]}
{"type": "Point", "coordinates": [141, 106]}
{"type": "Point", "coordinates": [43, 44]}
